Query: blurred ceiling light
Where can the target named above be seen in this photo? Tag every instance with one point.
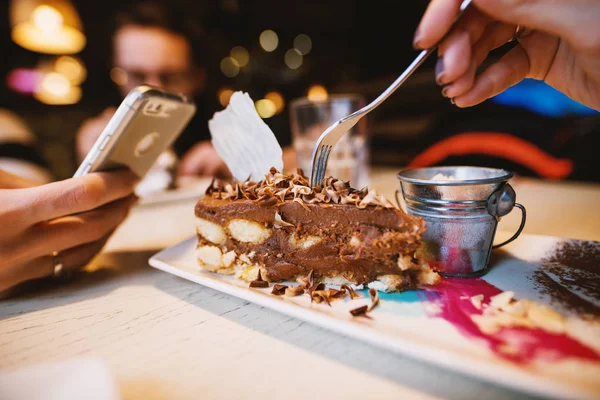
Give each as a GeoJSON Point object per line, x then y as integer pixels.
{"type": "Point", "coordinates": [265, 108]}
{"type": "Point", "coordinates": [55, 84]}
{"type": "Point", "coordinates": [224, 96]}
{"type": "Point", "coordinates": [47, 19]}
{"type": "Point", "coordinates": [293, 59]}
{"type": "Point", "coordinates": [56, 89]}
{"type": "Point", "coordinates": [241, 55]}
{"type": "Point", "coordinates": [317, 93]}
{"type": "Point", "coordinates": [72, 68]}
{"type": "Point", "coordinates": [230, 67]}
{"type": "Point", "coordinates": [23, 80]}
{"type": "Point", "coordinates": [277, 100]}
{"type": "Point", "coordinates": [47, 26]}
{"type": "Point", "coordinates": [303, 44]}
{"type": "Point", "coordinates": [119, 76]}
{"type": "Point", "coordinates": [268, 40]}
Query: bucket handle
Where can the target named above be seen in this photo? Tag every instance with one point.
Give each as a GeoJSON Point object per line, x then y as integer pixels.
{"type": "Point", "coordinates": [518, 232]}
{"type": "Point", "coordinates": [399, 191]}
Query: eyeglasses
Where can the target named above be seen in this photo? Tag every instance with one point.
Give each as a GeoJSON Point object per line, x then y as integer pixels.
{"type": "Point", "coordinates": [167, 79]}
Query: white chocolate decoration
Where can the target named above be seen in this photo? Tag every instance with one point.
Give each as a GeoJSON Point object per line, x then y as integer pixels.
{"type": "Point", "coordinates": [243, 140]}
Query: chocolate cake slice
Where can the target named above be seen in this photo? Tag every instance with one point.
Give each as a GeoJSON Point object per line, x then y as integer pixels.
{"type": "Point", "coordinates": [285, 229]}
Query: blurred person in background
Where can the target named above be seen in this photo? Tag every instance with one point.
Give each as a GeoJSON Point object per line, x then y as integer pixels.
{"type": "Point", "coordinates": [162, 45]}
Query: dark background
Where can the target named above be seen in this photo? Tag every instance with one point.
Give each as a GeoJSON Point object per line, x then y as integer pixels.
{"type": "Point", "coordinates": [358, 46]}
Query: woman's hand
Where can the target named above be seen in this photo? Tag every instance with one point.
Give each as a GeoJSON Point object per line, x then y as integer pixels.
{"type": "Point", "coordinates": [560, 45]}
{"type": "Point", "coordinates": [73, 217]}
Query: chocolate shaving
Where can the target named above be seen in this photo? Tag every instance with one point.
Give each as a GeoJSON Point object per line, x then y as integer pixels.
{"type": "Point", "coordinates": [353, 294]}
{"type": "Point", "coordinates": [278, 188]}
{"type": "Point", "coordinates": [267, 201]}
{"type": "Point", "coordinates": [335, 294]}
{"type": "Point", "coordinates": [360, 311]}
{"type": "Point", "coordinates": [302, 203]}
{"type": "Point", "coordinates": [374, 298]}
{"type": "Point", "coordinates": [258, 282]}
{"type": "Point", "coordinates": [320, 296]}
{"type": "Point", "coordinates": [307, 281]}
{"type": "Point", "coordinates": [315, 287]}
{"type": "Point", "coordinates": [279, 290]}
{"type": "Point", "coordinates": [294, 291]}
{"type": "Point", "coordinates": [280, 223]}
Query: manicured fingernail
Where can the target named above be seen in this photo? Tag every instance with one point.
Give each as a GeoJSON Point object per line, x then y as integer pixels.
{"type": "Point", "coordinates": [417, 39]}
{"type": "Point", "coordinates": [445, 91]}
{"type": "Point", "coordinates": [452, 101]}
{"type": "Point", "coordinates": [439, 70]}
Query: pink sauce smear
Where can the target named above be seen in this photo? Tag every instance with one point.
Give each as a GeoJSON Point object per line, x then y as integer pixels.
{"type": "Point", "coordinates": [517, 344]}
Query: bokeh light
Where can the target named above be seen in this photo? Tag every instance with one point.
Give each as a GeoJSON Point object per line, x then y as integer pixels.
{"type": "Point", "coordinates": [317, 93]}
{"type": "Point", "coordinates": [72, 68]}
{"type": "Point", "coordinates": [265, 108]}
{"type": "Point", "coordinates": [119, 76]}
{"type": "Point", "coordinates": [224, 95]}
{"type": "Point", "coordinates": [303, 44]}
{"type": "Point", "coordinates": [241, 55]}
{"type": "Point", "coordinates": [47, 19]}
{"type": "Point", "coordinates": [56, 84]}
{"type": "Point", "coordinates": [22, 80]}
{"type": "Point", "coordinates": [268, 40]}
{"type": "Point", "coordinates": [277, 99]}
{"type": "Point", "coordinates": [56, 89]}
{"type": "Point", "coordinates": [51, 28]}
{"type": "Point", "coordinates": [293, 59]}
{"type": "Point", "coordinates": [230, 67]}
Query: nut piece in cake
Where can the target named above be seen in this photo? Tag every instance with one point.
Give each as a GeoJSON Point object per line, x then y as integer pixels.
{"type": "Point", "coordinates": [248, 231]}
{"type": "Point", "coordinates": [210, 231]}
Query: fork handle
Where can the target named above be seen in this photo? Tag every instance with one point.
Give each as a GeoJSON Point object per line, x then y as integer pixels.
{"type": "Point", "coordinates": [423, 55]}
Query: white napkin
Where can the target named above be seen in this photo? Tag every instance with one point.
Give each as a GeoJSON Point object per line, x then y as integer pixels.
{"type": "Point", "coordinates": [88, 379]}
{"type": "Point", "coordinates": [243, 140]}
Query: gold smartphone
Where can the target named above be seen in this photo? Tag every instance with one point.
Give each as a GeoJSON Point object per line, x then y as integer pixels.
{"type": "Point", "coordinates": [146, 123]}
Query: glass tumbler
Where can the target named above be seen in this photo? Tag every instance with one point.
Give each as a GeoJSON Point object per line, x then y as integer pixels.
{"type": "Point", "coordinates": [349, 159]}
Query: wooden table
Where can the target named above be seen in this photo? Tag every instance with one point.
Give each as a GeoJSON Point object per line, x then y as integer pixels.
{"type": "Point", "coordinates": [164, 337]}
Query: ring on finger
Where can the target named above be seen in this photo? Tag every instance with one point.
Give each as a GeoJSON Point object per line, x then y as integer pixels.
{"type": "Point", "coordinates": [519, 30]}
{"type": "Point", "coordinates": [57, 266]}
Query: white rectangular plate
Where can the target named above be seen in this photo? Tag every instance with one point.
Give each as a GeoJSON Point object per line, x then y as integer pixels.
{"type": "Point", "coordinates": [430, 324]}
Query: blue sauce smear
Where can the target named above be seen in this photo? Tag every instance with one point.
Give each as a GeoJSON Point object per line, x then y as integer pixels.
{"type": "Point", "coordinates": [403, 304]}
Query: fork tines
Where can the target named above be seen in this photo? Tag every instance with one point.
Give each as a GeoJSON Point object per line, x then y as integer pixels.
{"type": "Point", "coordinates": [320, 164]}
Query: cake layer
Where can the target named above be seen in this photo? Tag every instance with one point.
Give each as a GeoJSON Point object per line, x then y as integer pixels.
{"type": "Point", "coordinates": [332, 240]}
{"type": "Point", "coordinates": [315, 216]}
{"type": "Point", "coordinates": [287, 229]}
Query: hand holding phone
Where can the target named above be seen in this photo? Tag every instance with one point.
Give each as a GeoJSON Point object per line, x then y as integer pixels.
{"type": "Point", "coordinates": [146, 123]}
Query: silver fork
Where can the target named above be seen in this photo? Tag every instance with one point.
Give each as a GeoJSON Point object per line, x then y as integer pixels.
{"type": "Point", "coordinates": [334, 133]}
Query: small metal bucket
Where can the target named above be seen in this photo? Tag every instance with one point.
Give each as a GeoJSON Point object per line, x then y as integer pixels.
{"type": "Point", "coordinates": [461, 213]}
